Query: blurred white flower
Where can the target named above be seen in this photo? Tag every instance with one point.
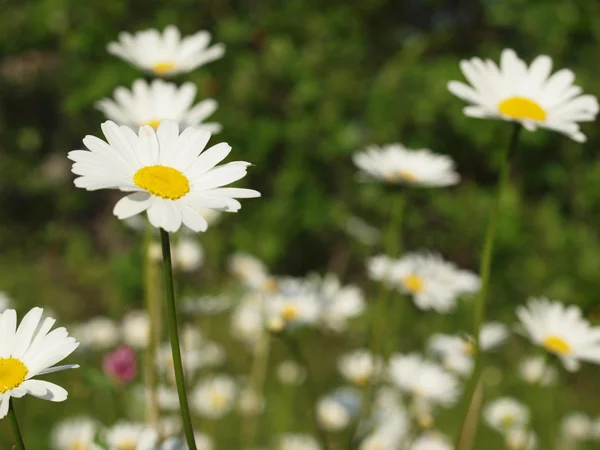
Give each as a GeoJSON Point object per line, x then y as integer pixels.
{"type": "Point", "coordinates": [247, 320]}
{"type": "Point", "coordinates": [294, 302]}
{"type": "Point", "coordinates": [391, 424]}
{"type": "Point", "coordinates": [505, 414]}
{"type": "Point", "coordinates": [431, 441]}
{"type": "Point", "coordinates": [561, 330]}
{"type": "Point", "coordinates": [251, 272]}
{"type": "Point", "coordinates": [167, 397]}
{"type": "Point", "coordinates": [250, 402]}
{"type": "Point", "coordinates": [536, 370]}
{"type": "Point", "coordinates": [135, 329]}
{"type": "Point", "coordinates": [166, 54]}
{"type": "Point", "coordinates": [292, 441]}
{"type": "Point", "coordinates": [379, 267]}
{"type": "Point", "coordinates": [129, 435]}
{"type": "Point", "coordinates": [203, 442]}
{"type": "Point", "coordinates": [332, 415]}
{"type": "Point", "coordinates": [395, 163]}
{"type": "Point", "coordinates": [188, 254]}
{"type": "Point", "coordinates": [527, 95]}
{"type": "Point", "coordinates": [359, 366]}
{"type": "Point", "coordinates": [151, 103]}
{"type": "Point", "coordinates": [214, 397]}
{"type": "Point", "coordinates": [98, 333]}
{"type": "Point", "coordinates": [75, 433]}
{"type": "Point", "coordinates": [338, 303]}
{"type": "Point", "coordinates": [290, 372]}
{"type": "Point", "coordinates": [576, 426]}
{"type": "Point", "coordinates": [424, 379]}
{"type": "Point", "coordinates": [520, 439]}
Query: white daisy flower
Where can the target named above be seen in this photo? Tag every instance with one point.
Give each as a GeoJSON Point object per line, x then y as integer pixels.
{"type": "Point", "coordinates": [76, 433]}
{"type": "Point", "coordinates": [150, 104]}
{"type": "Point", "coordinates": [28, 351]}
{"type": "Point", "coordinates": [339, 303]}
{"type": "Point", "coordinates": [520, 439]}
{"type": "Point", "coordinates": [250, 402]}
{"type": "Point", "coordinates": [332, 414]}
{"type": "Point", "coordinates": [166, 54]}
{"type": "Point", "coordinates": [290, 372]}
{"type": "Point", "coordinates": [391, 424]}
{"type": "Point", "coordinates": [424, 379]}
{"type": "Point", "coordinates": [135, 329]}
{"type": "Point", "coordinates": [295, 303]}
{"type": "Point", "coordinates": [431, 441]}
{"type": "Point", "coordinates": [293, 441]}
{"type": "Point", "coordinates": [433, 283]}
{"type": "Point", "coordinates": [395, 163]}
{"type": "Point", "coordinates": [359, 366]}
{"type": "Point", "coordinates": [130, 436]}
{"type": "Point", "coordinates": [378, 267]}
{"type": "Point", "coordinates": [215, 397]}
{"type": "Point", "coordinates": [203, 442]}
{"type": "Point", "coordinates": [537, 370]}
{"type": "Point", "coordinates": [252, 272]}
{"type": "Point", "coordinates": [168, 174]}
{"type": "Point", "coordinates": [561, 330]}
{"type": "Point", "coordinates": [576, 426]}
{"type": "Point", "coordinates": [188, 254]}
{"type": "Point", "coordinates": [528, 95]}
{"type": "Point", "coordinates": [98, 333]}
{"type": "Point", "coordinates": [504, 414]}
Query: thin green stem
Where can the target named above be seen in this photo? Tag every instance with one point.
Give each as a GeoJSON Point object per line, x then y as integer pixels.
{"type": "Point", "coordinates": [174, 338]}
{"type": "Point", "coordinates": [393, 235]}
{"type": "Point", "coordinates": [480, 302]}
{"type": "Point", "coordinates": [20, 444]}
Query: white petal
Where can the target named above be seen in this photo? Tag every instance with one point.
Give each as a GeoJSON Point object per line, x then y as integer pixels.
{"type": "Point", "coordinates": [45, 390]}
{"type": "Point", "coordinates": [132, 204]}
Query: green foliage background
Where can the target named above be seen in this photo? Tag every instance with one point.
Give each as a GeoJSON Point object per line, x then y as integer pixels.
{"type": "Point", "coordinates": [303, 85]}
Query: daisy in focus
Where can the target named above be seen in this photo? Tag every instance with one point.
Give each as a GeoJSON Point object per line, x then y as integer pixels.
{"type": "Point", "coordinates": [28, 351]}
{"type": "Point", "coordinates": [166, 54]}
{"type": "Point", "coordinates": [527, 95]}
{"type": "Point", "coordinates": [561, 330]}
{"type": "Point", "coordinates": [150, 104]}
{"type": "Point", "coordinates": [168, 174]}
{"type": "Point", "coordinates": [396, 164]}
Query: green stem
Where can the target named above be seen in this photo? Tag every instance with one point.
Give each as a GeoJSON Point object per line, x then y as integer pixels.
{"type": "Point", "coordinates": [20, 444]}
{"type": "Point", "coordinates": [484, 272]}
{"type": "Point", "coordinates": [174, 338]}
{"type": "Point", "coordinates": [393, 235]}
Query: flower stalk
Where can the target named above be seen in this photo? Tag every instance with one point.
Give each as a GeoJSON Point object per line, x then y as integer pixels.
{"type": "Point", "coordinates": [19, 443]}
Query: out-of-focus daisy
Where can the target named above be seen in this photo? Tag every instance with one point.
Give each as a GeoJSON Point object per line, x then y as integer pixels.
{"type": "Point", "coordinates": [293, 441]}
{"type": "Point", "coordinates": [359, 366]}
{"type": "Point", "coordinates": [250, 402]}
{"type": "Point", "coordinates": [74, 434]}
{"type": "Point", "coordinates": [339, 303]}
{"type": "Point", "coordinates": [576, 426]}
{"type": "Point", "coordinates": [332, 415]}
{"type": "Point", "coordinates": [150, 104]}
{"type": "Point", "coordinates": [561, 330]}
{"type": "Point", "coordinates": [537, 370]}
{"type": "Point", "coordinates": [247, 320]}
{"type": "Point", "coordinates": [431, 441]}
{"type": "Point", "coordinates": [203, 442]}
{"type": "Point", "coordinates": [252, 272]}
{"type": "Point", "coordinates": [433, 283]}
{"type": "Point", "coordinates": [379, 267]}
{"type": "Point", "coordinates": [214, 397]}
{"type": "Point", "coordinates": [520, 439]}
{"type": "Point", "coordinates": [396, 164]}
{"type": "Point", "coordinates": [188, 254]}
{"type": "Point", "coordinates": [504, 414]}
{"type": "Point", "coordinates": [28, 351]}
{"type": "Point", "coordinates": [295, 302]}
{"type": "Point", "coordinates": [528, 95]}
{"type": "Point", "coordinates": [424, 379]}
{"type": "Point", "coordinates": [130, 436]}
{"type": "Point", "coordinates": [166, 54]}
{"type": "Point", "coordinates": [169, 175]}
{"type": "Point", "coordinates": [290, 372]}
{"type": "Point", "coordinates": [167, 397]}
{"type": "Point", "coordinates": [135, 329]}
{"type": "Point", "coordinates": [390, 422]}
{"type": "Point", "coordinates": [5, 301]}
{"type": "Point", "coordinates": [98, 333]}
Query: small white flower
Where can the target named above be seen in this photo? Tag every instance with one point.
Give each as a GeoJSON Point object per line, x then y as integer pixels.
{"type": "Point", "coordinates": [396, 164]}
{"type": "Point", "coordinates": [332, 415]}
{"type": "Point", "coordinates": [150, 104]}
{"type": "Point", "coordinates": [433, 283]}
{"type": "Point", "coordinates": [294, 302]}
{"type": "Point", "coordinates": [28, 351]}
{"type": "Point", "coordinates": [577, 426]}
{"type": "Point", "coordinates": [504, 414]}
{"type": "Point", "coordinates": [431, 441]}
{"type": "Point", "coordinates": [250, 402]}
{"type": "Point", "coordinates": [166, 173]}
{"type": "Point", "coordinates": [292, 441]}
{"type": "Point", "coordinates": [528, 95]}
{"type": "Point", "coordinates": [338, 303]}
{"type": "Point", "coordinates": [76, 433]}
{"type": "Point", "coordinates": [424, 379]}
{"type": "Point", "coordinates": [135, 329]}
{"type": "Point", "coordinates": [290, 372]}
{"type": "Point", "coordinates": [359, 366]}
{"type": "Point", "coordinates": [188, 254]}
{"type": "Point", "coordinates": [167, 397]}
{"type": "Point", "coordinates": [536, 370]}
{"type": "Point", "coordinates": [214, 397]}
{"type": "Point", "coordinates": [561, 330]}
{"type": "Point", "coordinates": [99, 333]}
{"type": "Point", "coordinates": [166, 54]}
{"type": "Point", "coordinates": [520, 439]}
{"type": "Point", "coordinates": [130, 436]}
{"type": "Point", "coordinates": [391, 424]}
{"type": "Point", "coordinates": [252, 272]}
{"type": "Point", "coordinates": [247, 320]}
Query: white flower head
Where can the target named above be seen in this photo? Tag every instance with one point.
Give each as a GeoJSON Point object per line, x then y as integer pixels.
{"type": "Point", "coordinates": [214, 397]}
{"type": "Point", "coordinates": [332, 414]}
{"type": "Point", "coordinates": [293, 441]}
{"type": "Point", "coordinates": [75, 433]}
{"type": "Point", "coordinates": [561, 330]}
{"type": "Point", "coordinates": [247, 320]}
{"type": "Point", "coordinates": [424, 379]}
{"type": "Point", "coordinates": [576, 426]}
{"type": "Point", "coordinates": [520, 439]}
{"type": "Point", "coordinates": [505, 414]}
{"type": "Point", "coordinates": [168, 174]}
{"type": "Point", "coordinates": [290, 372]}
{"type": "Point", "coordinates": [339, 303]}
{"type": "Point", "coordinates": [250, 402]}
{"type": "Point", "coordinates": [379, 267]}
{"type": "Point", "coordinates": [98, 333]}
{"type": "Point", "coordinates": [391, 424]}
{"type": "Point", "coordinates": [359, 366]}
{"type": "Point", "coordinates": [528, 95]}
{"type": "Point", "coordinates": [188, 254]}
{"type": "Point", "coordinates": [130, 435]}
{"type": "Point", "coordinates": [252, 272]}
{"type": "Point", "coordinates": [151, 103]}
{"type": "Point", "coordinates": [396, 164]}
{"type": "Point", "coordinates": [166, 54]}
{"type": "Point", "coordinates": [28, 351]}
{"type": "Point", "coordinates": [536, 370]}
{"type": "Point", "coordinates": [431, 441]}
{"type": "Point", "coordinates": [135, 329]}
{"type": "Point", "coordinates": [433, 282]}
{"type": "Point", "coordinates": [295, 303]}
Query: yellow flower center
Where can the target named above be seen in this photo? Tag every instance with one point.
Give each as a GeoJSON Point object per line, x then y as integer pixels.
{"type": "Point", "coordinates": [425, 421]}
{"type": "Point", "coordinates": [269, 285]}
{"type": "Point", "coordinates": [163, 68]}
{"type": "Point", "coordinates": [290, 311]}
{"type": "Point", "coordinates": [12, 374]}
{"type": "Point", "coordinates": [468, 347]}
{"type": "Point", "coordinates": [401, 175]}
{"type": "Point", "coordinates": [413, 283]}
{"type": "Point", "coordinates": [162, 181]}
{"type": "Point", "coordinates": [557, 345]}
{"type": "Point", "coordinates": [508, 421]}
{"type": "Point", "coordinates": [361, 380]}
{"type": "Point", "coordinates": [153, 123]}
{"type": "Point", "coordinates": [77, 445]}
{"type": "Point", "coordinates": [127, 445]}
{"type": "Point", "coordinates": [218, 401]}
{"type": "Point", "coordinates": [522, 108]}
